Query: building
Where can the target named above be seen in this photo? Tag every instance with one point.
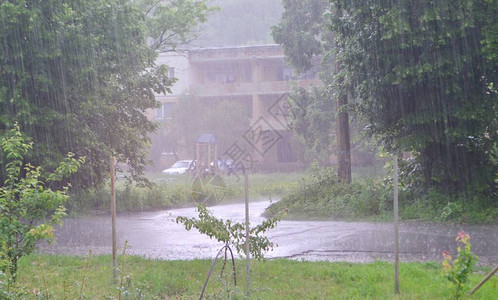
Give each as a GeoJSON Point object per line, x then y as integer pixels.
{"type": "Point", "coordinates": [257, 78]}
{"type": "Point", "coordinates": [177, 68]}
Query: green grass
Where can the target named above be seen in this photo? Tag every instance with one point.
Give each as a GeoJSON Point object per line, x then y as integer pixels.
{"type": "Point", "coordinates": [320, 196]}
{"type": "Point", "coordinates": [64, 276]}
{"type": "Point", "coordinates": [176, 191]}
{"type": "Point", "coordinates": [315, 194]}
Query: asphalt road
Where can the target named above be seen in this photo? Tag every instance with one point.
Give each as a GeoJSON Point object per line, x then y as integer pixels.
{"type": "Point", "coordinates": [156, 235]}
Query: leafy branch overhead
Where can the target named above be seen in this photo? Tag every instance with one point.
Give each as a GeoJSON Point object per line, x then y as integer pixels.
{"type": "Point", "coordinates": [173, 23]}
{"type": "Point", "coordinates": [231, 233]}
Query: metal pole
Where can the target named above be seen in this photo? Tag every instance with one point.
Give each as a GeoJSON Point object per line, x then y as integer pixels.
{"type": "Point", "coordinates": [113, 220]}
{"type": "Point", "coordinates": [396, 227]}
{"type": "Point", "coordinates": [248, 257]}
{"type": "Point", "coordinates": [209, 157]}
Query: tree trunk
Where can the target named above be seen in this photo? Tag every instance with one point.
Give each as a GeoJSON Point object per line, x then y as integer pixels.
{"type": "Point", "coordinates": [342, 127]}
{"type": "Point", "coordinates": [343, 141]}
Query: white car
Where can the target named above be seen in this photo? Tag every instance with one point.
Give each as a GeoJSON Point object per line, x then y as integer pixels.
{"type": "Point", "coordinates": [180, 167]}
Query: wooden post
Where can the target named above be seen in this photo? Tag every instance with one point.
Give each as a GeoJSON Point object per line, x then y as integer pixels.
{"type": "Point", "coordinates": [483, 281]}
{"type": "Point", "coordinates": [396, 227]}
{"type": "Point", "coordinates": [113, 220]}
{"type": "Point", "coordinates": [248, 255]}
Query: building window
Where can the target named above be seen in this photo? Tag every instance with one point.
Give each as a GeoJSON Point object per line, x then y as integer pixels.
{"type": "Point", "coordinates": [287, 74]}
{"type": "Point", "coordinates": [171, 73]}
{"type": "Point", "coordinates": [165, 111]}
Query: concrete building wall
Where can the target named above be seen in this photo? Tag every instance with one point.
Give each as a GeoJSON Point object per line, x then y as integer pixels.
{"type": "Point", "coordinates": [162, 154]}
{"type": "Point", "coordinates": [259, 76]}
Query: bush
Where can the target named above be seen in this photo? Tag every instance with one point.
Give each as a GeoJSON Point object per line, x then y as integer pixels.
{"type": "Point", "coordinates": [458, 271]}
{"type": "Point", "coordinates": [231, 233]}
{"type": "Point", "coordinates": [320, 196]}
{"type": "Point", "coordinates": [28, 206]}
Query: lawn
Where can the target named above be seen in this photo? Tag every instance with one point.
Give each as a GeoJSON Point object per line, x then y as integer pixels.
{"type": "Point", "coordinates": [68, 277]}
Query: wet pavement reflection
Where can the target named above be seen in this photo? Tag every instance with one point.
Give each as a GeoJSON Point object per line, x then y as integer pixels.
{"type": "Point", "coordinates": [156, 235]}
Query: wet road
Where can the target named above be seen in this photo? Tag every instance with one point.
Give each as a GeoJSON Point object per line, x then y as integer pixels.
{"type": "Point", "coordinates": [156, 235]}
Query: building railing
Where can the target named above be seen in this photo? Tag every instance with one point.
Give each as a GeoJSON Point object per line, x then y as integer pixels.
{"type": "Point", "coordinates": [249, 88]}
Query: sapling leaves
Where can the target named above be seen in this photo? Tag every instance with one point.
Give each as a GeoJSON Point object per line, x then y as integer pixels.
{"type": "Point", "coordinates": [232, 233]}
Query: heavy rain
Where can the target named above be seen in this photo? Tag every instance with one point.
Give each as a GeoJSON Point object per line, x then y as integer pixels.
{"type": "Point", "coordinates": [259, 149]}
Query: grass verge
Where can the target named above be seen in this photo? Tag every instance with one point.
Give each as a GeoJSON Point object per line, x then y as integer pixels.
{"type": "Point", "coordinates": [67, 277]}
{"type": "Point", "coordinates": [176, 191]}
{"type": "Point", "coordinates": [320, 196]}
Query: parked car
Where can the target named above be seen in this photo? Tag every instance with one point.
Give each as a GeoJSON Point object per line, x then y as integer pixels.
{"type": "Point", "coordinates": [180, 167]}
{"type": "Point", "coordinates": [224, 167]}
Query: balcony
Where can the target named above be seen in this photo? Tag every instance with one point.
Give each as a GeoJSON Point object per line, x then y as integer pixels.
{"type": "Point", "coordinates": [248, 88]}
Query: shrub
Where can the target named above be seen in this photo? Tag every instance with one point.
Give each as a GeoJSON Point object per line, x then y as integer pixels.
{"type": "Point", "coordinates": [321, 195]}
{"type": "Point", "coordinates": [28, 207]}
{"type": "Point", "coordinates": [231, 233]}
{"type": "Point", "coordinates": [458, 271]}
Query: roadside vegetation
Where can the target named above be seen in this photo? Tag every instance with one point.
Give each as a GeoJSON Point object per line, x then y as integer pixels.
{"type": "Point", "coordinates": [67, 277]}
{"type": "Point", "coordinates": [320, 195]}
{"type": "Point", "coordinates": [314, 194]}
{"type": "Point", "coordinates": [170, 191]}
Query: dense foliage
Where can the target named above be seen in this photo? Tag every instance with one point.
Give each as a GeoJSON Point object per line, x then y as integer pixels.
{"type": "Point", "coordinates": [320, 195]}
{"type": "Point", "coordinates": [28, 205]}
{"type": "Point", "coordinates": [79, 76]}
{"type": "Point", "coordinates": [421, 75]}
{"type": "Point", "coordinates": [302, 34]}
{"type": "Point", "coordinates": [421, 80]}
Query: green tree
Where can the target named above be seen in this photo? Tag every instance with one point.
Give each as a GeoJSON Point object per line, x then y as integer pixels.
{"type": "Point", "coordinates": [314, 122]}
{"type": "Point", "coordinates": [302, 32]}
{"type": "Point", "coordinates": [420, 78]}
{"type": "Point", "coordinates": [79, 76]}
{"type": "Point", "coordinates": [313, 119]}
{"type": "Point", "coordinates": [305, 36]}
{"type": "Point", "coordinates": [173, 24]}
{"type": "Point", "coordinates": [28, 205]}
{"type": "Point", "coordinates": [490, 50]}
